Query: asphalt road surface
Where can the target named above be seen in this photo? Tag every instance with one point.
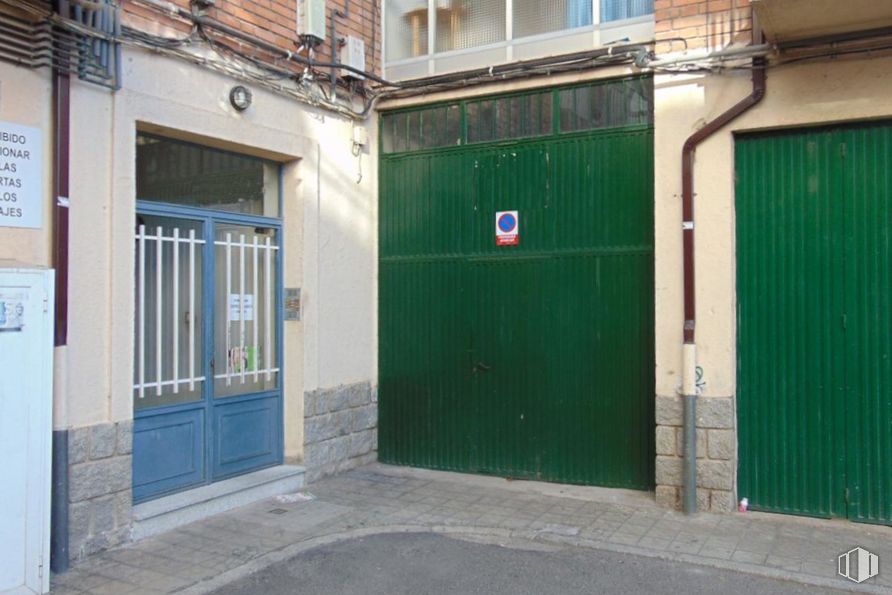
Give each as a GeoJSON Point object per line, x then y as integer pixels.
{"type": "Point", "coordinates": [431, 564]}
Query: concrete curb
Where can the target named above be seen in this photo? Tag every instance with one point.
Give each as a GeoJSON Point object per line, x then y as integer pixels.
{"type": "Point", "coordinates": [743, 567]}
{"type": "Point", "coordinates": [527, 535]}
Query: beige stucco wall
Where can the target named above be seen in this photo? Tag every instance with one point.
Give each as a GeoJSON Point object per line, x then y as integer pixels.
{"type": "Point", "coordinates": [805, 94]}
{"type": "Point", "coordinates": [331, 221]}
{"type": "Point", "coordinates": [801, 95]}
{"type": "Point", "coordinates": [329, 225]}
{"type": "Point", "coordinates": [26, 99]}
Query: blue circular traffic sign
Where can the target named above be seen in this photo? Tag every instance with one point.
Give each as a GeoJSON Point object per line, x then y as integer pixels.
{"type": "Point", "coordinates": [507, 222]}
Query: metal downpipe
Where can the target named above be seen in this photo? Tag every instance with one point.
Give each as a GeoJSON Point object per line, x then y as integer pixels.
{"type": "Point", "coordinates": [59, 552]}
{"type": "Point", "coordinates": [689, 371]}
{"type": "Point", "coordinates": [689, 389]}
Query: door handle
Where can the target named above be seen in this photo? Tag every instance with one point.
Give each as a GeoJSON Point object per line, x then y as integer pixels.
{"type": "Point", "coordinates": [481, 367]}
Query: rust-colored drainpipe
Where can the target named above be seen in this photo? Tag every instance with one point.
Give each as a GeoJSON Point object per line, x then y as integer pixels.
{"type": "Point", "coordinates": [689, 368]}
{"type": "Point", "coordinates": [59, 554]}
{"type": "Point", "coordinates": [61, 156]}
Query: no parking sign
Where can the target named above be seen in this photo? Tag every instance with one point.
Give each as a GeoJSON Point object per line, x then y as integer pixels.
{"type": "Point", "coordinates": [507, 226]}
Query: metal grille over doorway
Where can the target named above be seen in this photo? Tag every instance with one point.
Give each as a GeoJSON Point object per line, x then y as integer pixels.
{"type": "Point", "coordinates": [155, 243]}
{"type": "Point", "coordinates": [207, 377]}
{"type": "Point", "coordinates": [171, 284]}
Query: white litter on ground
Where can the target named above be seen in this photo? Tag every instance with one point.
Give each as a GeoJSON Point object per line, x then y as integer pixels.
{"type": "Point", "coordinates": [294, 498]}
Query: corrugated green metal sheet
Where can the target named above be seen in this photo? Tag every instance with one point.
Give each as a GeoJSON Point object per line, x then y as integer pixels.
{"type": "Point", "coordinates": [563, 322]}
{"type": "Point", "coordinates": [790, 376]}
{"type": "Point", "coordinates": [814, 335]}
{"type": "Point", "coordinates": [867, 187]}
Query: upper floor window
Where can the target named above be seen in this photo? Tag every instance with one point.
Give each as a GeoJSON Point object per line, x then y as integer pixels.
{"type": "Point", "coordinates": [532, 17]}
{"type": "Point", "coordinates": [439, 30]}
{"type": "Point", "coordinates": [615, 10]}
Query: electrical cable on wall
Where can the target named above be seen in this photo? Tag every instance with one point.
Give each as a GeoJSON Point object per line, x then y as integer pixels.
{"type": "Point", "coordinates": [306, 83]}
{"type": "Point", "coordinates": [356, 149]}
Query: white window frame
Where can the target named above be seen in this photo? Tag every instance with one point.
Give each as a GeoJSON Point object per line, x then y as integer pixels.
{"type": "Point", "coordinates": [597, 34]}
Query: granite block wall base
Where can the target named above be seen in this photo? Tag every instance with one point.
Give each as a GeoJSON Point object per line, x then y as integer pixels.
{"type": "Point", "coordinates": [716, 453]}
{"type": "Point", "coordinates": [100, 498]}
{"type": "Point", "coordinates": [340, 429]}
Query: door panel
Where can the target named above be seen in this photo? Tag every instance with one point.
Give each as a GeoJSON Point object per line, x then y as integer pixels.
{"type": "Point", "coordinates": [513, 179]}
{"type": "Point", "coordinates": [244, 334]}
{"type": "Point", "coordinates": [814, 342]}
{"type": "Point", "coordinates": [791, 376]}
{"type": "Point", "coordinates": [531, 361]}
{"type": "Point", "coordinates": [170, 366]}
{"type": "Point", "coordinates": [169, 281]}
{"type": "Point", "coordinates": [562, 397]}
{"type": "Point", "coordinates": [246, 434]}
{"type": "Point", "coordinates": [428, 416]}
{"type": "Point", "coordinates": [868, 347]}
{"type": "Point", "coordinates": [205, 310]}
{"type": "Point", "coordinates": [168, 452]}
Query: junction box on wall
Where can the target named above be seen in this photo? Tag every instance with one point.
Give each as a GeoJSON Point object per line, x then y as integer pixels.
{"type": "Point", "coordinates": [311, 19]}
{"type": "Point", "coordinates": [353, 54]}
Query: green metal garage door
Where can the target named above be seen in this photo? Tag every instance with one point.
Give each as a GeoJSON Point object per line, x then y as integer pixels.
{"type": "Point", "coordinates": [532, 360]}
{"type": "Point", "coordinates": [814, 214]}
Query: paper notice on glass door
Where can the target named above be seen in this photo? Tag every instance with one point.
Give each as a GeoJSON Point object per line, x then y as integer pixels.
{"type": "Point", "coordinates": [235, 310]}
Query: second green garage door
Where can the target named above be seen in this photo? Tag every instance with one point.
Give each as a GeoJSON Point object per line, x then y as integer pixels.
{"type": "Point", "coordinates": [532, 360]}
{"type": "Point", "coordinates": [814, 237]}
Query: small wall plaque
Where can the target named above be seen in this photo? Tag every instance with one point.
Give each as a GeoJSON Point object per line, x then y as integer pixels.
{"type": "Point", "coordinates": [292, 303]}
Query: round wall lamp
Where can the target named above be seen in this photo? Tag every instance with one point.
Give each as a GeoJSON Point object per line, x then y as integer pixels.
{"type": "Point", "coordinates": [240, 97]}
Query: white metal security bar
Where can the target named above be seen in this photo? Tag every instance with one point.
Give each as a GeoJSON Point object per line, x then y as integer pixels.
{"type": "Point", "coordinates": [269, 309]}
{"type": "Point", "coordinates": [144, 242]}
{"type": "Point", "coordinates": [242, 357]}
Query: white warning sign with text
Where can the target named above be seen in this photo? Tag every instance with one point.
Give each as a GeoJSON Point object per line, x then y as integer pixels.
{"type": "Point", "coordinates": [21, 176]}
{"type": "Point", "coordinates": [507, 228]}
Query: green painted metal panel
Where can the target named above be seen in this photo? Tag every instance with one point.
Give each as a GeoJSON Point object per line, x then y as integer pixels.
{"type": "Point", "coordinates": [867, 188]}
{"type": "Point", "coordinates": [790, 377]}
{"type": "Point", "coordinates": [814, 398]}
{"type": "Point", "coordinates": [533, 361]}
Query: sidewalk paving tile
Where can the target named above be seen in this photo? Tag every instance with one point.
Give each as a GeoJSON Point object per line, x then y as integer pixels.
{"type": "Point", "coordinates": [377, 497]}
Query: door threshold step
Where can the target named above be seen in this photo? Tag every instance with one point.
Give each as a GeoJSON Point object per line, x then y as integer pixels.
{"type": "Point", "coordinates": [167, 513]}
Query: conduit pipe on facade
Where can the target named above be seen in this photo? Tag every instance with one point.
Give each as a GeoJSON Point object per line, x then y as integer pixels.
{"type": "Point", "coordinates": [61, 168]}
{"type": "Point", "coordinates": [750, 51]}
{"type": "Point", "coordinates": [266, 46]}
{"type": "Point", "coordinates": [689, 353]}
{"type": "Point", "coordinates": [60, 244]}
{"type": "Point", "coordinates": [419, 84]}
{"type": "Point", "coordinates": [335, 44]}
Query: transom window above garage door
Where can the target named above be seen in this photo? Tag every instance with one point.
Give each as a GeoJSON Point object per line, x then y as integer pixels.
{"type": "Point", "coordinates": [615, 103]}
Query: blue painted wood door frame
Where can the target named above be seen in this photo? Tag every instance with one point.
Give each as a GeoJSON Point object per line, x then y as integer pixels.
{"type": "Point", "coordinates": [181, 446]}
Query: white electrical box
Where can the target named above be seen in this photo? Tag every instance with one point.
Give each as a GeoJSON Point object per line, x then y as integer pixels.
{"type": "Point", "coordinates": [353, 54]}
{"type": "Point", "coordinates": [311, 18]}
{"type": "Point", "coordinates": [360, 136]}
{"type": "Point", "coordinates": [26, 427]}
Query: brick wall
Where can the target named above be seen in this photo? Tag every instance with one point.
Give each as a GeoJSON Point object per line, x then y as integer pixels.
{"type": "Point", "coordinates": [274, 21]}
{"type": "Point", "coordinates": [702, 24]}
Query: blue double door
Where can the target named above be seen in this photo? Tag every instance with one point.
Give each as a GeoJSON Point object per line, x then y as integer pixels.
{"type": "Point", "coordinates": [207, 387]}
